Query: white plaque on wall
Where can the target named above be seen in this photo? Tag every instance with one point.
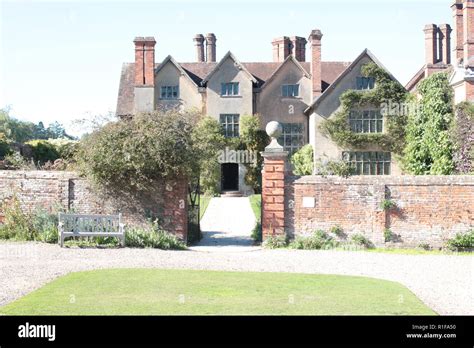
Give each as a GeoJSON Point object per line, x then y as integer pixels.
{"type": "Point", "coordinates": [308, 202]}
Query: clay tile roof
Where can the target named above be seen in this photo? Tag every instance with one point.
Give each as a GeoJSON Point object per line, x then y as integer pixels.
{"type": "Point", "coordinates": [198, 71]}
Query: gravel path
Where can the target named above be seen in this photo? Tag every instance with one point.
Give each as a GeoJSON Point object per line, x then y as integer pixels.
{"type": "Point", "coordinates": [444, 282]}
{"type": "Point", "coordinates": [225, 229]}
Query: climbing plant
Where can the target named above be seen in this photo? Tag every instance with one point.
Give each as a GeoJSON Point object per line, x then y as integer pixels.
{"type": "Point", "coordinates": [429, 146]}
{"type": "Point", "coordinates": [386, 94]}
{"type": "Point", "coordinates": [462, 136]}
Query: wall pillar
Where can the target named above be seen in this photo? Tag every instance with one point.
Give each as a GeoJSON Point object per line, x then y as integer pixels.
{"type": "Point", "coordinates": [273, 185]}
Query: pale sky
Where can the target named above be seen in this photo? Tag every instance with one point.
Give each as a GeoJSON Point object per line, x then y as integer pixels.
{"type": "Point", "coordinates": [61, 60]}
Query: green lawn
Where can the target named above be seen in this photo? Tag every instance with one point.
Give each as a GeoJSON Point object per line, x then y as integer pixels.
{"type": "Point", "coordinates": [256, 204]}
{"type": "Point", "coordinates": [203, 203]}
{"type": "Point", "coordinates": [152, 291]}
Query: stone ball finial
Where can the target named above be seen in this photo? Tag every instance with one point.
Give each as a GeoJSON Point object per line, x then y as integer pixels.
{"type": "Point", "coordinates": [274, 129]}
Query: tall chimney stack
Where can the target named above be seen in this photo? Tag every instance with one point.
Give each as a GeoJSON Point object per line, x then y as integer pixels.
{"type": "Point", "coordinates": [282, 48]}
{"type": "Point", "coordinates": [211, 47]}
{"type": "Point", "coordinates": [315, 41]}
{"type": "Point", "coordinates": [298, 48]}
{"type": "Point", "coordinates": [431, 44]}
{"type": "Point", "coordinates": [458, 46]}
{"type": "Point", "coordinates": [468, 30]}
{"type": "Point", "coordinates": [144, 90]}
{"type": "Point", "coordinates": [199, 42]}
{"type": "Point", "coordinates": [444, 43]}
{"type": "Point", "coordinates": [144, 61]}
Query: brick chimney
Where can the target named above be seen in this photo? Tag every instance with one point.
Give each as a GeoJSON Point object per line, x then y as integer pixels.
{"type": "Point", "coordinates": [431, 44]}
{"type": "Point", "coordinates": [282, 48]}
{"type": "Point", "coordinates": [468, 31]}
{"type": "Point", "coordinates": [211, 47]}
{"type": "Point", "coordinates": [144, 61]}
{"type": "Point", "coordinates": [444, 43]}
{"type": "Point", "coordinates": [144, 74]}
{"type": "Point", "coordinates": [298, 48]}
{"type": "Point", "coordinates": [458, 31]}
{"type": "Point", "coordinates": [315, 41]}
{"type": "Point", "coordinates": [199, 42]}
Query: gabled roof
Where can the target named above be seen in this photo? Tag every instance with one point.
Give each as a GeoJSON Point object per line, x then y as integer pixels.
{"type": "Point", "coordinates": [171, 60]}
{"type": "Point", "coordinates": [237, 63]}
{"type": "Point", "coordinates": [198, 71]}
{"type": "Point", "coordinates": [328, 91]}
{"type": "Point", "coordinates": [289, 60]}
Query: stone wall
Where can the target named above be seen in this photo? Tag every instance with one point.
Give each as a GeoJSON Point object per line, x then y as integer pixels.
{"type": "Point", "coordinates": [428, 209]}
{"type": "Point", "coordinates": [66, 191]}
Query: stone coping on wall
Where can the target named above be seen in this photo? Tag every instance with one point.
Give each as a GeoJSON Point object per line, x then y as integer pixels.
{"type": "Point", "coordinates": [416, 180]}
{"type": "Point", "coordinates": [38, 174]}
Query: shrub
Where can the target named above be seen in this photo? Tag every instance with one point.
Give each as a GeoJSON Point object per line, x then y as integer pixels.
{"type": "Point", "coordinates": [275, 242]}
{"type": "Point", "coordinates": [424, 246]}
{"type": "Point", "coordinates": [302, 160]}
{"type": "Point", "coordinates": [4, 146]}
{"type": "Point", "coordinates": [46, 226]}
{"type": "Point", "coordinates": [128, 155]}
{"type": "Point", "coordinates": [388, 235]}
{"type": "Point", "coordinates": [43, 151]}
{"type": "Point", "coordinates": [208, 140]}
{"type": "Point", "coordinates": [17, 225]}
{"type": "Point", "coordinates": [327, 167]}
{"type": "Point", "coordinates": [462, 241]}
{"type": "Point", "coordinates": [152, 237]}
{"type": "Point", "coordinates": [318, 240]}
{"type": "Point", "coordinates": [361, 240]}
{"type": "Point", "coordinates": [257, 233]}
{"type": "Point", "coordinates": [16, 161]}
{"type": "Point", "coordinates": [388, 204]}
{"type": "Point", "coordinates": [338, 231]}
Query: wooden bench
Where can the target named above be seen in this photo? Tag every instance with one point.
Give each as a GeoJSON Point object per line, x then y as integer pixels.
{"type": "Point", "coordinates": [81, 225]}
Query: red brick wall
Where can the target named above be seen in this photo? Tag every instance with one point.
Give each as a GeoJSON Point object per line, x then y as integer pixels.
{"type": "Point", "coordinates": [52, 190]}
{"type": "Point", "coordinates": [429, 209]}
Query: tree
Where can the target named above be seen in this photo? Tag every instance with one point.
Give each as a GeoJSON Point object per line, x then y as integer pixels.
{"type": "Point", "coordinates": [253, 139]}
{"type": "Point", "coordinates": [429, 147]}
{"type": "Point", "coordinates": [129, 155]}
{"type": "Point", "coordinates": [302, 160]}
{"type": "Point", "coordinates": [208, 140]}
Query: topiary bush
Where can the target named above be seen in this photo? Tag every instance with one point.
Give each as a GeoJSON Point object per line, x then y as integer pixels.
{"type": "Point", "coordinates": [302, 160]}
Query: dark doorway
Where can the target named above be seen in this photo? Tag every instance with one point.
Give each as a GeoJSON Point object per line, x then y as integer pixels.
{"type": "Point", "coordinates": [230, 177]}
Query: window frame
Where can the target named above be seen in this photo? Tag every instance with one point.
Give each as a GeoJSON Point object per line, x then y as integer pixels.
{"type": "Point", "coordinates": [370, 121]}
{"type": "Point", "coordinates": [288, 90]}
{"type": "Point", "coordinates": [234, 124]}
{"type": "Point", "coordinates": [369, 162]}
{"type": "Point", "coordinates": [365, 83]}
{"type": "Point", "coordinates": [286, 139]}
{"type": "Point", "coordinates": [230, 89]}
{"type": "Point", "coordinates": [170, 92]}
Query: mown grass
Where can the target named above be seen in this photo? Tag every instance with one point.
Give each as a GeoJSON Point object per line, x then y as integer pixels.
{"type": "Point", "coordinates": [177, 292]}
{"type": "Point", "coordinates": [256, 204]}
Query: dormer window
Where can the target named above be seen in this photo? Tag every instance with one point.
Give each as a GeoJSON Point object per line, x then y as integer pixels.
{"type": "Point", "coordinates": [290, 90]}
{"type": "Point", "coordinates": [169, 92]}
{"type": "Point", "coordinates": [229, 89]}
{"type": "Point", "coordinates": [363, 83]}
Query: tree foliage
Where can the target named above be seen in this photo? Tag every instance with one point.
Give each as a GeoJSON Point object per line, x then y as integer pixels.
{"type": "Point", "coordinates": [462, 136]}
{"type": "Point", "coordinates": [253, 139]}
{"type": "Point", "coordinates": [131, 154]}
{"type": "Point", "coordinates": [208, 140]}
{"type": "Point", "coordinates": [302, 160]}
{"type": "Point", "coordinates": [429, 147]}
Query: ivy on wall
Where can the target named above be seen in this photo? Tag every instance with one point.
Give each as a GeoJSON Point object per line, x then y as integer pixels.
{"type": "Point", "coordinates": [462, 135]}
{"type": "Point", "coordinates": [387, 95]}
